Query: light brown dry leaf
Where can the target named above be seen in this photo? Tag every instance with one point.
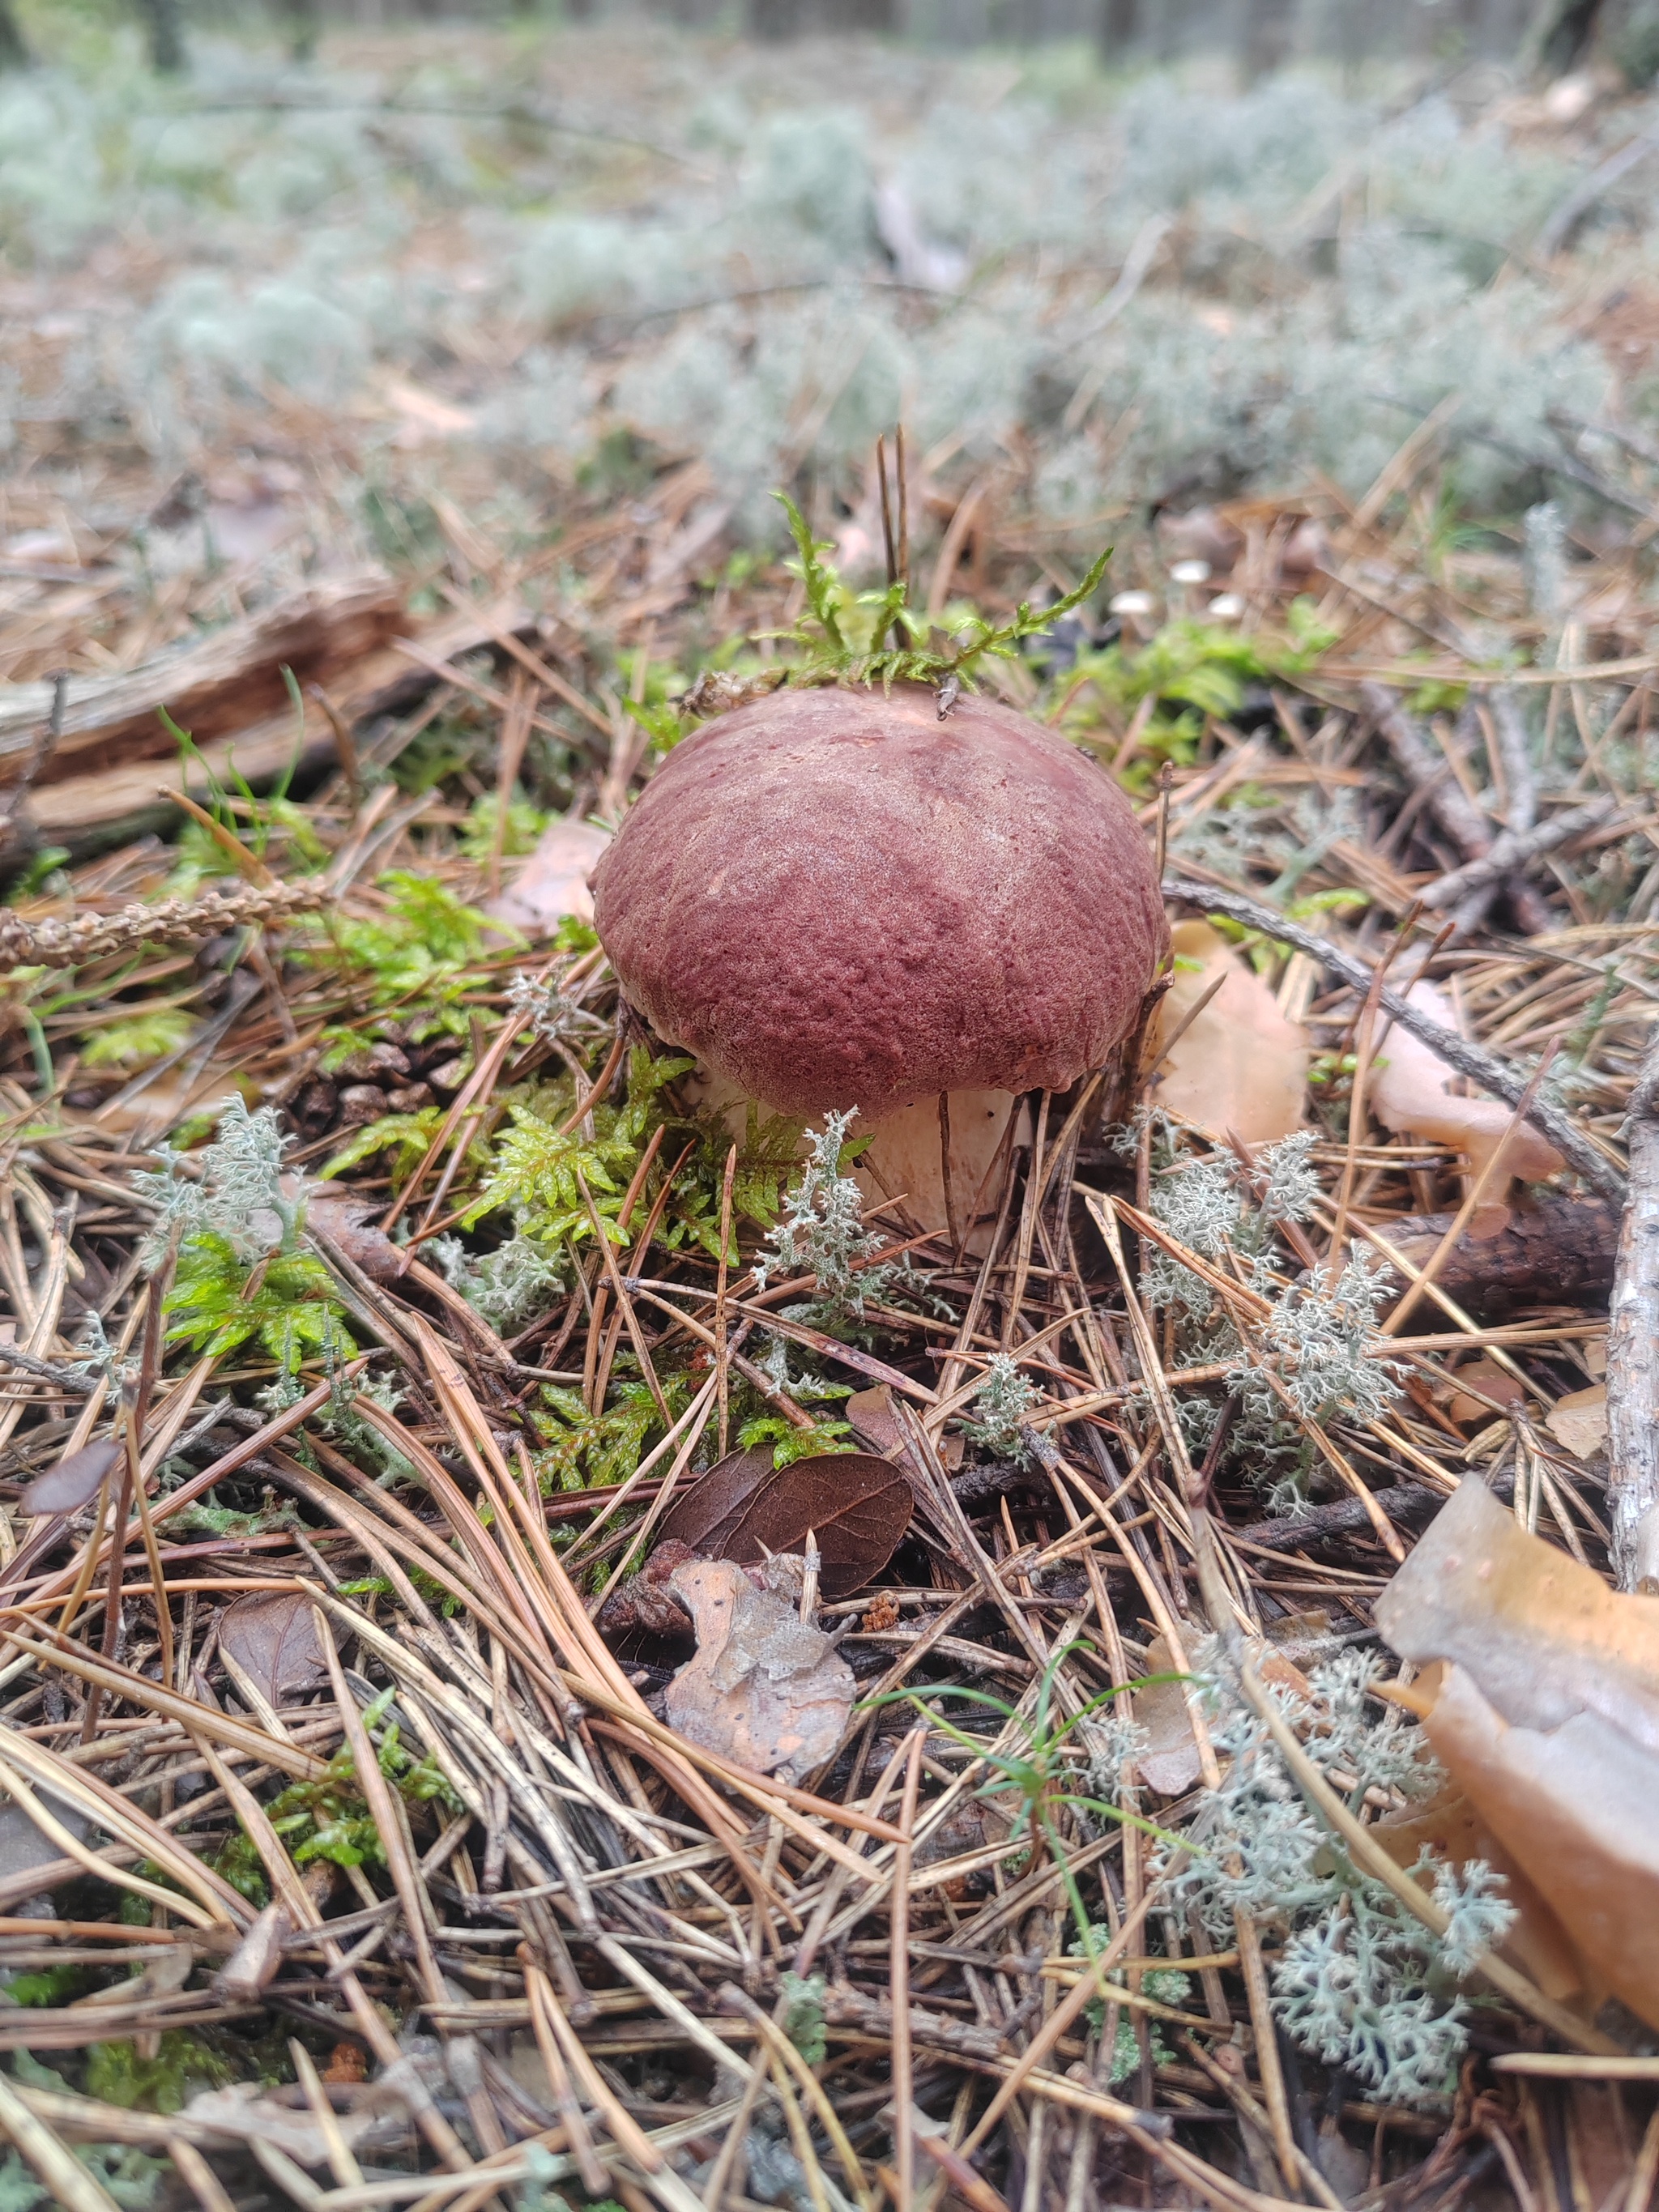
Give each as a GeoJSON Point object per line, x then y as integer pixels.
{"type": "Point", "coordinates": [1544, 1709]}
{"type": "Point", "coordinates": [553, 882]}
{"type": "Point", "coordinates": [272, 1637]}
{"type": "Point", "coordinates": [246, 2109]}
{"type": "Point", "coordinates": [1240, 1065]}
{"type": "Point", "coordinates": [765, 1689]}
{"type": "Point", "coordinates": [1580, 1421]}
{"type": "Point", "coordinates": [74, 1482]}
{"type": "Point", "coordinates": [1492, 1382]}
{"type": "Point", "coordinates": [166, 1971]}
{"type": "Point", "coordinates": [1171, 1762]}
{"type": "Point", "coordinates": [1408, 1091]}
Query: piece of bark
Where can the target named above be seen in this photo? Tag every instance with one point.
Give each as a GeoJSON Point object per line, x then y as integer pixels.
{"type": "Point", "coordinates": [1557, 1251]}
{"type": "Point", "coordinates": [88, 807]}
{"type": "Point", "coordinates": [1633, 1351]}
{"type": "Point", "coordinates": [1407, 1501]}
{"type": "Point", "coordinates": [213, 687]}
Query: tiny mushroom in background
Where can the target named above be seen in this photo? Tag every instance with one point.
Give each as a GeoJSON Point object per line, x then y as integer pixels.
{"type": "Point", "coordinates": [837, 897]}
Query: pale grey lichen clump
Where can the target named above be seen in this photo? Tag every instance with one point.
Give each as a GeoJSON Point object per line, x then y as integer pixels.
{"type": "Point", "coordinates": [1358, 1982]}
{"type": "Point", "coordinates": [504, 1287]}
{"type": "Point", "coordinates": [1314, 1334]}
{"type": "Point", "coordinates": [999, 1407]}
{"type": "Point", "coordinates": [821, 1232]}
{"type": "Point", "coordinates": [237, 1189]}
{"type": "Point", "coordinates": [813, 274]}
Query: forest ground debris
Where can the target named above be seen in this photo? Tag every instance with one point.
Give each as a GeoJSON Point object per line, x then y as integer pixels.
{"type": "Point", "coordinates": [556, 1882]}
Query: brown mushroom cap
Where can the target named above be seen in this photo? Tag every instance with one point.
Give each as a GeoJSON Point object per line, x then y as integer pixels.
{"type": "Point", "coordinates": [835, 899]}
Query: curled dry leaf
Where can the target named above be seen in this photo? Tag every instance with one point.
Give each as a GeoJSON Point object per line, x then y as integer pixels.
{"type": "Point", "coordinates": [1239, 1066]}
{"type": "Point", "coordinates": [766, 1689]}
{"type": "Point", "coordinates": [1541, 1698]}
{"type": "Point", "coordinates": [74, 1482]}
{"type": "Point", "coordinates": [272, 1637]}
{"type": "Point", "coordinates": [744, 1508]}
{"type": "Point", "coordinates": [1171, 1762]}
{"type": "Point", "coordinates": [166, 1971]}
{"type": "Point", "coordinates": [553, 881]}
{"type": "Point", "coordinates": [1409, 1091]}
{"type": "Point", "coordinates": [874, 1422]}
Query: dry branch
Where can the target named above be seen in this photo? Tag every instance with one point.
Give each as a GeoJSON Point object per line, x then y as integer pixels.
{"type": "Point", "coordinates": [1633, 1350]}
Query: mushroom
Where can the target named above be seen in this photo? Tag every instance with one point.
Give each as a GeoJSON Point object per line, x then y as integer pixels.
{"type": "Point", "coordinates": [835, 898]}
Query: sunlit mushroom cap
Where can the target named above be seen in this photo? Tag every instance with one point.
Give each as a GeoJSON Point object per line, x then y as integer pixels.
{"type": "Point", "coordinates": [834, 899]}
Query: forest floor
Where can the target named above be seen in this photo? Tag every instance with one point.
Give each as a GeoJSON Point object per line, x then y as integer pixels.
{"type": "Point", "coordinates": [377, 1285]}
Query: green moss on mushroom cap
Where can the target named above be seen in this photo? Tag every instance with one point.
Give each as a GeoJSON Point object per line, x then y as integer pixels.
{"type": "Point", "coordinates": [836, 899]}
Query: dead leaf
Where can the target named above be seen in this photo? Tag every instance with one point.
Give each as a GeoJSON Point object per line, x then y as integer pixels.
{"type": "Point", "coordinates": [1408, 1091]}
{"type": "Point", "coordinates": [1492, 1382]}
{"type": "Point", "coordinates": [744, 1508]}
{"type": "Point", "coordinates": [765, 1690]}
{"type": "Point", "coordinates": [1580, 1422]}
{"type": "Point", "coordinates": [166, 1970]}
{"type": "Point", "coordinates": [1240, 1065]}
{"type": "Point", "coordinates": [1171, 1762]}
{"type": "Point", "coordinates": [875, 1423]}
{"type": "Point", "coordinates": [335, 1217]}
{"type": "Point", "coordinates": [252, 1965]}
{"type": "Point", "coordinates": [74, 1482]}
{"type": "Point", "coordinates": [553, 882]}
{"type": "Point", "coordinates": [272, 1637]}
{"type": "Point", "coordinates": [1544, 1710]}
{"type": "Point", "coordinates": [245, 2109]}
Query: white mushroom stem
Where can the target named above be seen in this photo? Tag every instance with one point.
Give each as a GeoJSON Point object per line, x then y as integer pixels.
{"type": "Point", "coordinates": [906, 1159]}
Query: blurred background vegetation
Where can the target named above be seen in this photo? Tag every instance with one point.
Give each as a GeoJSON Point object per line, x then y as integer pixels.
{"type": "Point", "coordinates": [291, 286]}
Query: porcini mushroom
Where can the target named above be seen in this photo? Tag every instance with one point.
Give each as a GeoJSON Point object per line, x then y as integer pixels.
{"type": "Point", "coordinates": [835, 898]}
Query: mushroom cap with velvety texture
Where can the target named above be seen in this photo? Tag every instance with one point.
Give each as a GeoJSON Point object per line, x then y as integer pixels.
{"type": "Point", "coordinates": [835, 899]}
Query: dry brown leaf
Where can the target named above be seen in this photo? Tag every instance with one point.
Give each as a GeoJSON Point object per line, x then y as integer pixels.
{"type": "Point", "coordinates": [1580, 1421]}
{"type": "Point", "coordinates": [745, 1509]}
{"type": "Point", "coordinates": [73, 1483]}
{"type": "Point", "coordinates": [1408, 1091]}
{"type": "Point", "coordinates": [272, 1637]}
{"type": "Point", "coordinates": [166, 1971]}
{"type": "Point", "coordinates": [766, 1689]}
{"type": "Point", "coordinates": [1240, 1065]}
{"type": "Point", "coordinates": [246, 2110]}
{"type": "Point", "coordinates": [1171, 1762]}
{"type": "Point", "coordinates": [1492, 1382]}
{"type": "Point", "coordinates": [251, 1966]}
{"type": "Point", "coordinates": [553, 882]}
{"type": "Point", "coordinates": [1544, 1709]}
